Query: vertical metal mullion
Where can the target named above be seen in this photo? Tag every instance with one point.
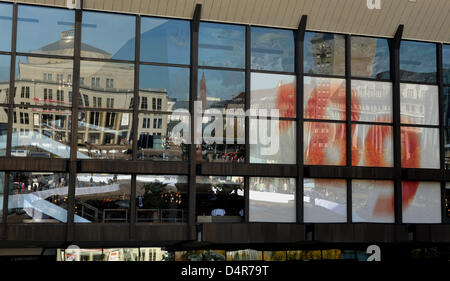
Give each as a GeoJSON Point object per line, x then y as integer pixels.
{"type": "Point", "coordinates": [5, 205]}
{"type": "Point", "coordinates": [12, 80]}
{"type": "Point", "coordinates": [299, 52]}
{"type": "Point", "coordinates": [440, 81]}
{"type": "Point", "coordinates": [348, 113]}
{"type": "Point", "coordinates": [247, 119]}
{"type": "Point", "coordinates": [195, 24]}
{"type": "Point", "coordinates": [10, 118]}
{"type": "Point", "coordinates": [395, 75]}
{"type": "Point", "coordinates": [137, 58]}
{"type": "Point", "coordinates": [74, 126]}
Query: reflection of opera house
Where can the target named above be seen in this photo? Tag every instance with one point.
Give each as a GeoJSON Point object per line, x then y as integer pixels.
{"type": "Point", "coordinates": [101, 134]}
{"type": "Point", "coordinates": [97, 145]}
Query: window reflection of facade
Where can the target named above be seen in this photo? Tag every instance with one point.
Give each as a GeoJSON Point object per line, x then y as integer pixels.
{"type": "Point", "coordinates": [340, 147]}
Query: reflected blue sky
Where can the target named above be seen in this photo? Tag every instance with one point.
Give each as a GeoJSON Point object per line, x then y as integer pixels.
{"type": "Point", "coordinates": [221, 45]}
{"type": "Point", "coordinates": [272, 49]}
{"type": "Point", "coordinates": [110, 32]}
{"type": "Point", "coordinates": [5, 26]}
{"type": "Point", "coordinates": [418, 61]}
{"type": "Point", "coordinates": [174, 79]}
{"type": "Point", "coordinates": [5, 61]}
{"type": "Point", "coordinates": [40, 26]}
{"type": "Point", "coordinates": [446, 63]}
{"type": "Point", "coordinates": [164, 40]}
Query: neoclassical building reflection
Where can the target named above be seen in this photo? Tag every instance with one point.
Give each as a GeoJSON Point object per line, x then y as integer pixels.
{"type": "Point", "coordinates": [105, 87]}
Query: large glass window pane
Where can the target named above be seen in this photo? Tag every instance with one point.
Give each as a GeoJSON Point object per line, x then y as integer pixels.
{"type": "Point", "coordinates": [221, 90]}
{"type": "Point", "coordinates": [421, 202]}
{"type": "Point", "coordinates": [5, 26]}
{"type": "Point", "coordinates": [446, 63]}
{"type": "Point", "coordinates": [168, 84]}
{"type": "Point", "coordinates": [324, 143]}
{"type": "Point", "coordinates": [107, 35]}
{"type": "Point", "coordinates": [371, 101]}
{"type": "Point", "coordinates": [165, 40]}
{"type": "Point", "coordinates": [325, 200]}
{"type": "Point", "coordinates": [38, 132]}
{"type": "Point", "coordinates": [105, 135]}
{"type": "Point", "coordinates": [38, 197]}
{"type": "Point", "coordinates": [106, 85]}
{"type": "Point", "coordinates": [272, 141]}
{"type": "Point", "coordinates": [372, 145]}
{"type": "Point", "coordinates": [420, 147]}
{"type": "Point", "coordinates": [102, 198]}
{"type": "Point", "coordinates": [3, 129]}
{"type": "Point", "coordinates": [419, 104]}
{"type": "Point", "coordinates": [43, 81]}
{"type": "Point", "coordinates": [272, 49]}
{"type": "Point", "coordinates": [373, 201]}
{"type": "Point", "coordinates": [274, 92]}
{"type": "Point", "coordinates": [220, 199]}
{"type": "Point", "coordinates": [221, 45]}
{"type": "Point", "coordinates": [161, 199]}
{"type": "Point", "coordinates": [57, 24]}
{"type": "Point", "coordinates": [418, 61]}
{"type": "Point", "coordinates": [370, 57]}
{"type": "Point", "coordinates": [5, 62]}
{"type": "Point", "coordinates": [163, 137]}
{"type": "Point", "coordinates": [223, 138]}
{"type": "Point", "coordinates": [324, 98]}
{"type": "Point", "coordinates": [272, 200]}
{"type": "Point", "coordinates": [324, 53]}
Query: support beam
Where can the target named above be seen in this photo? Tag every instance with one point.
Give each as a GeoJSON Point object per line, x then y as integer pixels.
{"type": "Point", "coordinates": [74, 128]}
{"type": "Point", "coordinates": [395, 76]}
{"type": "Point", "coordinates": [195, 25]}
{"type": "Point", "coordinates": [348, 113]}
{"type": "Point", "coordinates": [137, 58]}
{"type": "Point", "coordinates": [10, 119]}
{"type": "Point", "coordinates": [299, 52]}
{"type": "Point", "coordinates": [248, 57]}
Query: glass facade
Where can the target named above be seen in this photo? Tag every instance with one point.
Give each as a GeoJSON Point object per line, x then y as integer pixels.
{"type": "Point", "coordinates": [102, 198]}
{"type": "Point", "coordinates": [165, 40]}
{"type": "Point", "coordinates": [58, 24]}
{"type": "Point", "coordinates": [370, 57]}
{"type": "Point", "coordinates": [137, 100]}
{"type": "Point", "coordinates": [220, 199]}
{"type": "Point", "coordinates": [272, 49]}
{"type": "Point", "coordinates": [161, 199]}
{"type": "Point", "coordinates": [325, 200]}
{"type": "Point", "coordinates": [38, 197]}
{"type": "Point", "coordinates": [104, 135]}
{"type": "Point", "coordinates": [108, 35]}
{"type": "Point", "coordinates": [324, 53]}
{"type": "Point", "coordinates": [421, 202]}
{"type": "Point", "coordinates": [418, 68]}
{"type": "Point", "coordinates": [272, 200]}
{"type": "Point", "coordinates": [373, 201]}
{"type": "Point", "coordinates": [221, 45]}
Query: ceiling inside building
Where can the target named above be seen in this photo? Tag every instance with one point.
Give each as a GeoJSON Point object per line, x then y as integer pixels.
{"type": "Point", "coordinates": [427, 20]}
